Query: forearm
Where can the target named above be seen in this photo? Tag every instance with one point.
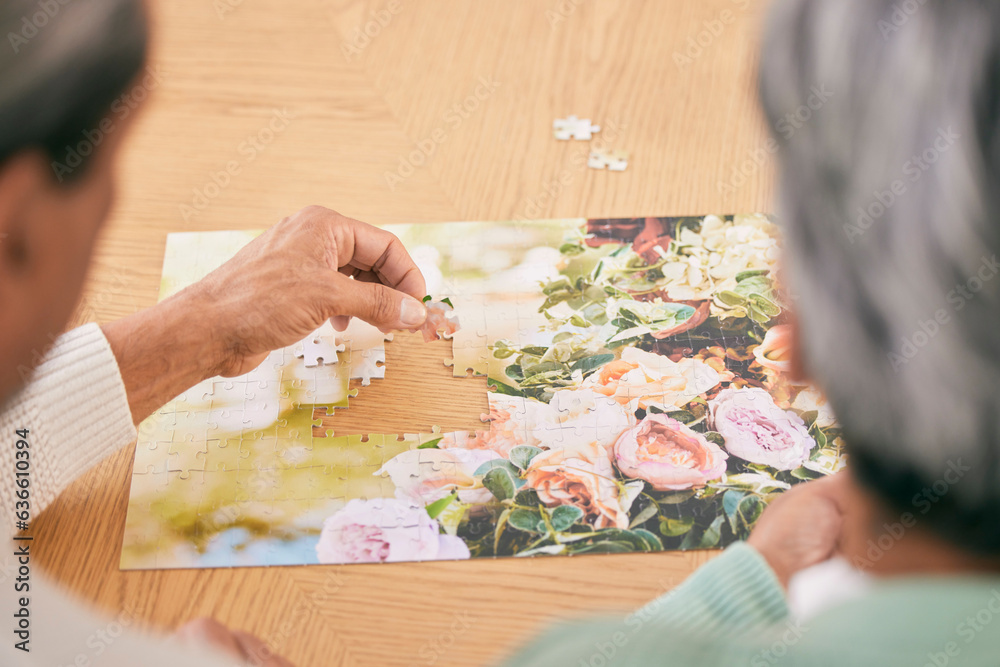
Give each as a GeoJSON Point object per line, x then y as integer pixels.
{"type": "Point", "coordinates": [163, 351]}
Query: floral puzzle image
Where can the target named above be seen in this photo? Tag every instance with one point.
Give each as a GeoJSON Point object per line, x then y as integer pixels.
{"type": "Point", "coordinates": [639, 393]}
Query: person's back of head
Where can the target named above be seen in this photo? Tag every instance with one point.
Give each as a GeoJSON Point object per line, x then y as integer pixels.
{"type": "Point", "coordinates": [889, 118]}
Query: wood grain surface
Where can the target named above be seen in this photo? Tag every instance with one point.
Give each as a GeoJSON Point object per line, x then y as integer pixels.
{"type": "Point", "coordinates": [672, 82]}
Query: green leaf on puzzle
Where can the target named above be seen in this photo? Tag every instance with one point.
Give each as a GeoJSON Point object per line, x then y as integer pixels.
{"type": "Point", "coordinates": [430, 444]}
{"type": "Point", "coordinates": [527, 497]}
{"type": "Point", "coordinates": [751, 273]}
{"type": "Point", "coordinates": [675, 498]}
{"type": "Point", "coordinates": [526, 520]}
{"type": "Point", "coordinates": [500, 483]}
{"type": "Point", "coordinates": [438, 506]}
{"type": "Point", "coordinates": [564, 516]}
{"type": "Point", "coordinates": [653, 542]}
{"type": "Point", "coordinates": [609, 547]}
{"type": "Point", "coordinates": [451, 517]}
{"type": "Point", "coordinates": [647, 513]}
{"type": "Point", "coordinates": [712, 534]}
{"type": "Point", "coordinates": [497, 463]}
{"type": "Point", "coordinates": [716, 437]}
{"type": "Point", "coordinates": [730, 298]}
{"type": "Point", "coordinates": [588, 364]}
{"type": "Point", "coordinates": [675, 527]}
{"type": "Point", "coordinates": [731, 500]}
{"type": "Point", "coordinates": [522, 454]}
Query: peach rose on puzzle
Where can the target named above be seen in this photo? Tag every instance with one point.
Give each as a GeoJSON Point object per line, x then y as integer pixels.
{"type": "Point", "coordinates": [668, 455]}
{"type": "Point", "coordinates": [508, 420]}
{"type": "Point", "coordinates": [576, 418]}
{"type": "Point", "coordinates": [385, 530]}
{"type": "Point", "coordinates": [775, 351]}
{"type": "Point", "coordinates": [584, 479]}
{"type": "Point", "coordinates": [758, 431]}
{"type": "Point", "coordinates": [644, 379]}
{"type": "Point", "coordinates": [426, 475]}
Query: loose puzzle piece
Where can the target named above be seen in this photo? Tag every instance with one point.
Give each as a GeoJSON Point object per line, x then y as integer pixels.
{"type": "Point", "coordinates": [441, 320]}
{"type": "Point", "coordinates": [613, 160]}
{"type": "Point", "coordinates": [574, 128]}
{"type": "Point", "coordinates": [316, 350]}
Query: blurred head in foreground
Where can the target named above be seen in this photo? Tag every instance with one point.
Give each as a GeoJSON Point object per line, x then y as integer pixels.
{"type": "Point", "coordinates": [71, 80]}
{"type": "Point", "coordinates": [888, 114]}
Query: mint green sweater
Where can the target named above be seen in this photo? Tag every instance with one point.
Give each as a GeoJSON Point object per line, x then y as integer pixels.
{"type": "Point", "coordinates": [732, 613]}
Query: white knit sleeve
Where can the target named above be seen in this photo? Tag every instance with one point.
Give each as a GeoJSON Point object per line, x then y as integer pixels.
{"type": "Point", "coordinates": [75, 411]}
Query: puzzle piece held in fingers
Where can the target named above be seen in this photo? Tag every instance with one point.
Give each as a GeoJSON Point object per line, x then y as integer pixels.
{"type": "Point", "coordinates": [316, 351]}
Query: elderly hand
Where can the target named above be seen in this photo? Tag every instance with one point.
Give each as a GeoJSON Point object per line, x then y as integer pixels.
{"type": "Point", "coordinates": [801, 527]}
{"type": "Point", "coordinates": [246, 648]}
{"type": "Point", "coordinates": [313, 266]}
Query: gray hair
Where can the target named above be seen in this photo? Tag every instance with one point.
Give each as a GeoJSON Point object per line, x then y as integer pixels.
{"type": "Point", "coordinates": [62, 66]}
{"type": "Point", "coordinates": [890, 203]}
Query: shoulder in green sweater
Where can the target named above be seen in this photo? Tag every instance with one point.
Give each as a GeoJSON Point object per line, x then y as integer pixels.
{"type": "Point", "coordinates": [732, 613]}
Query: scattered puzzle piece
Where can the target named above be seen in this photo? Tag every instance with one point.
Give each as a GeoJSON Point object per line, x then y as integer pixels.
{"type": "Point", "coordinates": [613, 160]}
{"type": "Point", "coordinates": [574, 128]}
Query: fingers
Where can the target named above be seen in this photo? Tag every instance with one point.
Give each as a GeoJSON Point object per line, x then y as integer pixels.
{"type": "Point", "coordinates": [208, 631]}
{"type": "Point", "coordinates": [376, 304]}
{"type": "Point", "coordinates": [367, 248]}
{"type": "Point", "coordinates": [257, 652]}
{"type": "Point", "coordinates": [235, 643]}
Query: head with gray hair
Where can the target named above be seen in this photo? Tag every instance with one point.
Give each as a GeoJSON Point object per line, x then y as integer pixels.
{"type": "Point", "coordinates": [64, 64]}
{"type": "Point", "coordinates": [66, 100]}
{"type": "Point", "coordinates": [888, 113]}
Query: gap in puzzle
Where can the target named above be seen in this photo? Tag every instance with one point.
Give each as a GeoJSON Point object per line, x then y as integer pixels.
{"type": "Point", "coordinates": [638, 391]}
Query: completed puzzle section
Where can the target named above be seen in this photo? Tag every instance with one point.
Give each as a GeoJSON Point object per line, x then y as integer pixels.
{"type": "Point", "coordinates": [638, 393]}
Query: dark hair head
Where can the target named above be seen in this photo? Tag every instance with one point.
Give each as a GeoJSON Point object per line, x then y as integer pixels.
{"type": "Point", "coordinates": [65, 63]}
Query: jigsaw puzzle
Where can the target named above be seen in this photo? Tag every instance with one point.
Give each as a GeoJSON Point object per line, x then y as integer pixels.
{"type": "Point", "coordinates": [638, 392]}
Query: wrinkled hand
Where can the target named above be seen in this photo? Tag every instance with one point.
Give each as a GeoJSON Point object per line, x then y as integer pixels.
{"type": "Point", "coordinates": [801, 527]}
{"type": "Point", "coordinates": [313, 266]}
{"type": "Point", "coordinates": [235, 643]}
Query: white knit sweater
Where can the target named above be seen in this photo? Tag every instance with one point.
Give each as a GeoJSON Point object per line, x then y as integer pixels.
{"type": "Point", "coordinates": [76, 412]}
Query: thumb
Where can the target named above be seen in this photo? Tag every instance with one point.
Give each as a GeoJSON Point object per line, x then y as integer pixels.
{"type": "Point", "coordinates": [377, 304]}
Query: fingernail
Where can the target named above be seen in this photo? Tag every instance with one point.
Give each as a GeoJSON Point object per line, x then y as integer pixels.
{"type": "Point", "coordinates": [412, 312]}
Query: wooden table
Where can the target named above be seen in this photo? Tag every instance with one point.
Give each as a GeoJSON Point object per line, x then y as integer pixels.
{"type": "Point", "coordinates": [672, 81]}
